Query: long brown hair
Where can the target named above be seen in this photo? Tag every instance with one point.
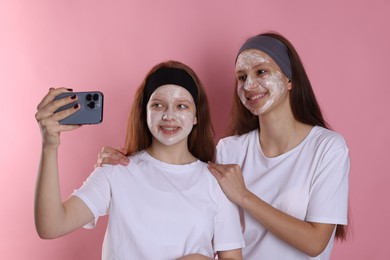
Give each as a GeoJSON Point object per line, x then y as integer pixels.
{"type": "Point", "coordinates": [200, 140]}
{"type": "Point", "coordinates": [304, 105]}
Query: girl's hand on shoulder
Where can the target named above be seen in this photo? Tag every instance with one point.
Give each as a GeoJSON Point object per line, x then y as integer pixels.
{"type": "Point", "coordinates": [113, 156]}
{"type": "Point", "coordinates": [229, 177]}
{"type": "Point", "coordinates": [49, 121]}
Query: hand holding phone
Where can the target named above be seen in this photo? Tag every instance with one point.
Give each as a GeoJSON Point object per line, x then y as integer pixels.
{"type": "Point", "coordinates": [91, 108]}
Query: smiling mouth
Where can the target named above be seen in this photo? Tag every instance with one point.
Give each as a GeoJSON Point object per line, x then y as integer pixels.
{"type": "Point", "coordinates": [256, 97]}
{"type": "Point", "coordinates": [169, 129]}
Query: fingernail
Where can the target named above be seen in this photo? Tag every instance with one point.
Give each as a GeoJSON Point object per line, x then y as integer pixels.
{"type": "Point", "coordinates": [73, 97]}
{"type": "Point", "coordinates": [51, 88]}
{"type": "Point", "coordinates": [76, 106]}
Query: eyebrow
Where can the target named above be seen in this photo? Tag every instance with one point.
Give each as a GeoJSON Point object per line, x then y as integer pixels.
{"type": "Point", "coordinates": [259, 64]}
{"type": "Point", "coordinates": [187, 100]}
{"type": "Point", "coordinates": [157, 98]}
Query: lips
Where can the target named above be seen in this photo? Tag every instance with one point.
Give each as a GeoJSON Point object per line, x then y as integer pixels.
{"type": "Point", "coordinates": [169, 130]}
{"type": "Point", "coordinates": [254, 97]}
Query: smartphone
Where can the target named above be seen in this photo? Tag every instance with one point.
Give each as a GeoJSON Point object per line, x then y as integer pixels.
{"type": "Point", "coordinates": [91, 108]}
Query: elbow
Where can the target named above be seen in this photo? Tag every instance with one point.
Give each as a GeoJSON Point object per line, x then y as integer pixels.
{"type": "Point", "coordinates": [314, 253]}
{"type": "Point", "coordinates": [47, 230]}
{"type": "Point", "coordinates": [315, 250]}
{"type": "Point", "coordinates": [318, 241]}
{"type": "Point", "coordinates": [45, 237]}
{"type": "Point", "coordinates": [45, 233]}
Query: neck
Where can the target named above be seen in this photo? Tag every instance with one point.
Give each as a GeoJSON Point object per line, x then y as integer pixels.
{"type": "Point", "coordinates": [173, 154]}
{"type": "Point", "coordinates": [281, 132]}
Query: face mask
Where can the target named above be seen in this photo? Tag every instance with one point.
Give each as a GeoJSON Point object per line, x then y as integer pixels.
{"type": "Point", "coordinates": [171, 114]}
{"type": "Point", "coordinates": [260, 81]}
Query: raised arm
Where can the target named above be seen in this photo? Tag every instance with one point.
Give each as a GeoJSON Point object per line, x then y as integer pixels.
{"type": "Point", "coordinates": [54, 218]}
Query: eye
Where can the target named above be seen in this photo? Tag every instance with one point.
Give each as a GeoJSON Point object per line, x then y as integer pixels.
{"type": "Point", "coordinates": [241, 78]}
{"type": "Point", "coordinates": [156, 105]}
{"type": "Point", "coordinates": [182, 106]}
{"type": "Point", "coordinates": [260, 72]}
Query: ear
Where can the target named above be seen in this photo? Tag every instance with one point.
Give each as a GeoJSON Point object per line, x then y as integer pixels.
{"type": "Point", "coordinates": [195, 120]}
{"type": "Point", "coordinates": [289, 85]}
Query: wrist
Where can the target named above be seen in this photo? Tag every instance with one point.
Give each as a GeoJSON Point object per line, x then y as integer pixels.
{"type": "Point", "coordinates": [246, 199]}
{"type": "Point", "coordinates": [49, 147]}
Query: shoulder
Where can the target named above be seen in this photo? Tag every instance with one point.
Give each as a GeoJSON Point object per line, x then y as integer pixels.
{"type": "Point", "coordinates": [240, 140]}
{"type": "Point", "coordinates": [204, 173]}
{"type": "Point", "coordinates": [137, 158]}
{"type": "Point", "coordinates": [327, 138]}
{"type": "Point", "coordinates": [111, 171]}
{"type": "Point", "coordinates": [233, 149]}
{"type": "Point", "coordinates": [328, 146]}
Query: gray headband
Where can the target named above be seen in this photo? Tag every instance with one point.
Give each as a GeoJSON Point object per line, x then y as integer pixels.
{"type": "Point", "coordinates": [273, 48]}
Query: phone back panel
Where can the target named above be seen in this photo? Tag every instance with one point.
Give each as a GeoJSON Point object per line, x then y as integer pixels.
{"type": "Point", "coordinates": [91, 108]}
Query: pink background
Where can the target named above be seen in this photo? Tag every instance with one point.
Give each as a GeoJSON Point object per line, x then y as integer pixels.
{"type": "Point", "coordinates": [110, 45]}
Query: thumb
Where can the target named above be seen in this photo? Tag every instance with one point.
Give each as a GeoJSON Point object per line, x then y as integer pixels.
{"type": "Point", "coordinates": [217, 175]}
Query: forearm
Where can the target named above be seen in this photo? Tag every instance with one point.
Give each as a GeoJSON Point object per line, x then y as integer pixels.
{"type": "Point", "coordinates": [310, 238]}
{"type": "Point", "coordinates": [49, 212]}
{"type": "Point", "coordinates": [234, 254]}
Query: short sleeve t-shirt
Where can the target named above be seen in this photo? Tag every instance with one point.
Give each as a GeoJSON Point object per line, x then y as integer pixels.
{"type": "Point", "coordinates": [310, 182]}
{"type": "Point", "coordinates": [161, 211]}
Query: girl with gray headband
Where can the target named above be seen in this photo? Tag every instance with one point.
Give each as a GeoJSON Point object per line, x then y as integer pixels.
{"type": "Point", "coordinates": [282, 165]}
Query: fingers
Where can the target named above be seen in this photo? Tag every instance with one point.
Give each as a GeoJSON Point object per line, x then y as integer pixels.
{"type": "Point", "coordinates": [223, 168]}
{"type": "Point", "coordinates": [111, 161]}
{"type": "Point", "coordinates": [220, 171]}
{"type": "Point", "coordinates": [53, 92]}
{"type": "Point", "coordinates": [110, 155]}
{"type": "Point", "coordinates": [109, 149]}
{"type": "Point", "coordinates": [52, 126]}
{"type": "Point", "coordinates": [214, 170]}
{"type": "Point", "coordinates": [48, 105]}
{"type": "Point", "coordinates": [48, 119]}
{"type": "Point", "coordinates": [122, 150]}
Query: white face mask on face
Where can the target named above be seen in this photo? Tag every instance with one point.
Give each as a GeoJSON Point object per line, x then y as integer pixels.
{"type": "Point", "coordinates": [260, 81]}
{"type": "Point", "coordinates": [171, 114]}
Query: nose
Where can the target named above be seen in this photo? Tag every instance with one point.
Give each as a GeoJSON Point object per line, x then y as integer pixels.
{"type": "Point", "coordinates": [251, 84]}
{"type": "Point", "coordinates": [169, 114]}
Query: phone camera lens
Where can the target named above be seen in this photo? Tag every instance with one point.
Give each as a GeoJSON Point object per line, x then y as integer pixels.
{"type": "Point", "coordinates": [88, 97]}
{"type": "Point", "coordinates": [91, 105]}
{"type": "Point", "coordinates": [95, 97]}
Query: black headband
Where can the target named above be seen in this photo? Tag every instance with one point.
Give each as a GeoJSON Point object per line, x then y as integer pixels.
{"type": "Point", "coordinates": [272, 47]}
{"type": "Point", "coordinates": [173, 76]}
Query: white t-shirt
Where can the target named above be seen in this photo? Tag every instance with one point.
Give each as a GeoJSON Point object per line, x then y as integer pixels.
{"type": "Point", "coordinates": [310, 182]}
{"type": "Point", "coordinates": [161, 211]}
